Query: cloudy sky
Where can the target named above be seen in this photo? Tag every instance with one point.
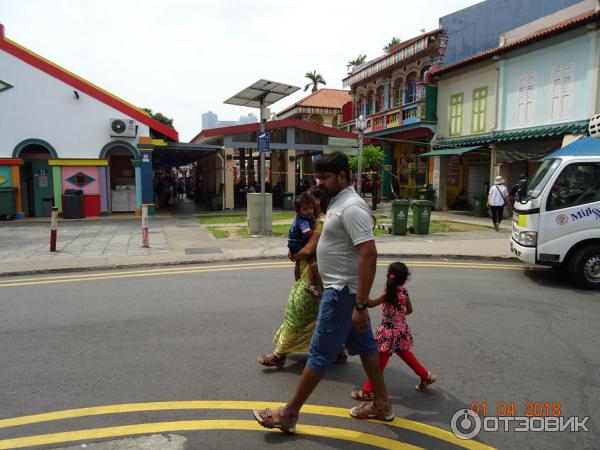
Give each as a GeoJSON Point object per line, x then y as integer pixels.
{"type": "Point", "coordinates": [185, 57]}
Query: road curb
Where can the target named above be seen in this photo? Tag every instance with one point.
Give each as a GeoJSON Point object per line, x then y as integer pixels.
{"type": "Point", "coordinates": [239, 259]}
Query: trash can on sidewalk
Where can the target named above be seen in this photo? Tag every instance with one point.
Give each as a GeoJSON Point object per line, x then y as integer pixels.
{"type": "Point", "coordinates": [479, 205]}
{"type": "Point", "coordinates": [421, 215]}
{"type": "Point", "coordinates": [8, 203]}
{"type": "Point", "coordinates": [47, 204]}
{"type": "Point", "coordinates": [288, 201]}
{"type": "Point", "coordinates": [399, 216]}
{"type": "Point", "coordinates": [72, 201]}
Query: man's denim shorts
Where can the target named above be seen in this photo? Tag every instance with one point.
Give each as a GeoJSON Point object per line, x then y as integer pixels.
{"type": "Point", "coordinates": [334, 329]}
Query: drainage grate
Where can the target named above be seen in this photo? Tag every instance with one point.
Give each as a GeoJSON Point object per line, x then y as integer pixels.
{"type": "Point", "coordinates": [202, 250]}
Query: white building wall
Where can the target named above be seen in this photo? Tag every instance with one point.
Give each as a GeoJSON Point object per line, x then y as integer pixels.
{"type": "Point", "coordinates": [40, 106]}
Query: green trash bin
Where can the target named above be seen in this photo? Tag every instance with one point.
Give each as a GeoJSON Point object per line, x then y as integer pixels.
{"type": "Point", "coordinates": [288, 201]}
{"type": "Point", "coordinates": [399, 216]}
{"type": "Point", "coordinates": [480, 205]}
{"type": "Point", "coordinates": [426, 194]}
{"type": "Point", "coordinates": [8, 202]}
{"type": "Point", "coordinates": [421, 215]}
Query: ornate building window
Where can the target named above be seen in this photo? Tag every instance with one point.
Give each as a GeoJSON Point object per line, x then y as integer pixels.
{"type": "Point", "coordinates": [397, 92]}
{"type": "Point", "coordinates": [410, 89]}
{"type": "Point", "coordinates": [379, 99]}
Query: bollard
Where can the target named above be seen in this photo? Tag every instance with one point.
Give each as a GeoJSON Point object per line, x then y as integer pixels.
{"type": "Point", "coordinates": [145, 237]}
{"type": "Point", "coordinates": [53, 228]}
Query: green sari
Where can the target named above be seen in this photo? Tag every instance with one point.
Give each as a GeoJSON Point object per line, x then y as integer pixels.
{"type": "Point", "coordinates": [300, 317]}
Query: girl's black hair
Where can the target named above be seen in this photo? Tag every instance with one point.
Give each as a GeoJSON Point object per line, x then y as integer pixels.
{"type": "Point", "coordinates": [321, 194]}
{"type": "Point", "coordinates": [302, 199]}
{"type": "Point", "coordinates": [397, 274]}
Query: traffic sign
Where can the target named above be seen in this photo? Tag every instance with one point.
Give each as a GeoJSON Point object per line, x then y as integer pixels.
{"type": "Point", "coordinates": [263, 141]}
{"type": "Point", "coordinates": [342, 142]}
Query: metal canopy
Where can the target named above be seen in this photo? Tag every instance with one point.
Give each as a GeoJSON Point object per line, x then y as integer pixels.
{"type": "Point", "coordinates": [272, 92]}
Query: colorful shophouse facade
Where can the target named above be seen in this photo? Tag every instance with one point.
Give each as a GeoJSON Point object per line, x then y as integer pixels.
{"type": "Point", "coordinates": [501, 110]}
{"type": "Point", "coordinates": [59, 131]}
{"type": "Point", "coordinates": [323, 107]}
{"type": "Point", "coordinates": [398, 98]}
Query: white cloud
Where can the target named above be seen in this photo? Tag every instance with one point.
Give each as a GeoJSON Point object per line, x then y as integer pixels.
{"type": "Point", "coordinates": [185, 57]}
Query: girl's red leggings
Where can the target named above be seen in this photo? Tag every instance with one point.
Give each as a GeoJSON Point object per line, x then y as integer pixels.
{"type": "Point", "coordinates": [408, 357]}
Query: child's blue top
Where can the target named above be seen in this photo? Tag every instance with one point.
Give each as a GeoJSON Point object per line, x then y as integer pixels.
{"type": "Point", "coordinates": [297, 236]}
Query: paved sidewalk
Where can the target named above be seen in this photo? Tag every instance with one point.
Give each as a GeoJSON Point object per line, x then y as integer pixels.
{"type": "Point", "coordinates": [116, 243]}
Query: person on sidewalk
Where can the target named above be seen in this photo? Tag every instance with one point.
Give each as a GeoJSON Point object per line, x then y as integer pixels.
{"type": "Point", "coordinates": [497, 200]}
{"type": "Point", "coordinates": [394, 334]}
{"type": "Point", "coordinates": [347, 259]}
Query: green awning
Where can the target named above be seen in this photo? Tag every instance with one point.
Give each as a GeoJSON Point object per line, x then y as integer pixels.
{"type": "Point", "coordinates": [451, 151]}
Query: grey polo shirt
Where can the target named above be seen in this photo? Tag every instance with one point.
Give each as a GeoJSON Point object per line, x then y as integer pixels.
{"type": "Point", "coordinates": [348, 222]}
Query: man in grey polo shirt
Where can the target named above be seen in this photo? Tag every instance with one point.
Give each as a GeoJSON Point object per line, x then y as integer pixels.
{"type": "Point", "coordinates": [347, 257]}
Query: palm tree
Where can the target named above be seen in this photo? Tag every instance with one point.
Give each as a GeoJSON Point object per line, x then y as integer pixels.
{"type": "Point", "coordinates": [356, 62]}
{"type": "Point", "coordinates": [315, 80]}
{"type": "Point", "coordinates": [395, 41]}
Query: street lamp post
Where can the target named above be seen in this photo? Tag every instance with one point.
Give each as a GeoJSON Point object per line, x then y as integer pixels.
{"type": "Point", "coordinates": [361, 126]}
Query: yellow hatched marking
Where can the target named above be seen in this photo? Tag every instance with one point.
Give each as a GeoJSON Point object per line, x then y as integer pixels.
{"type": "Point", "coordinates": [417, 427]}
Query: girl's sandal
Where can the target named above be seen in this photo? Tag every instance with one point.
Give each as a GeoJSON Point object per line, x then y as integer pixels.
{"type": "Point", "coordinates": [431, 378]}
{"type": "Point", "coordinates": [361, 395]}
{"type": "Point", "coordinates": [271, 360]}
{"type": "Point", "coordinates": [278, 418]}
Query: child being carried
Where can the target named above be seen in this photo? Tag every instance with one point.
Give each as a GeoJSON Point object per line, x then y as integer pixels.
{"type": "Point", "coordinates": [299, 234]}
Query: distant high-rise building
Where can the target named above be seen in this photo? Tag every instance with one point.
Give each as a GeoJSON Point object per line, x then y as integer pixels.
{"type": "Point", "coordinates": [211, 120]}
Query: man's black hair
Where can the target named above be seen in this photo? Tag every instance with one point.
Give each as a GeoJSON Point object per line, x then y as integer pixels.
{"type": "Point", "coordinates": [334, 162]}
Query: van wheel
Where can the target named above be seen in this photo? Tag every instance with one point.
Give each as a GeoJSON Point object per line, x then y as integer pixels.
{"type": "Point", "coordinates": [584, 267]}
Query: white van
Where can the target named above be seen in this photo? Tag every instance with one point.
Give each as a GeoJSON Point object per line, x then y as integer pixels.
{"type": "Point", "coordinates": [558, 222]}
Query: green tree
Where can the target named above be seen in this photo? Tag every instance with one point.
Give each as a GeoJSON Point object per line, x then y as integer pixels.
{"type": "Point", "coordinates": [160, 117]}
{"type": "Point", "coordinates": [356, 62]}
{"type": "Point", "coordinates": [395, 41]}
{"type": "Point", "coordinates": [315, 80]}
{"type": "Point", "coordinates": [372, 160]}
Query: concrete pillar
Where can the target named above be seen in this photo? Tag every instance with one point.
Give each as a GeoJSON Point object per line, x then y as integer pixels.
{"type": "Point", "coordinates": [138, 186]}
{"type": "Point", "coordinates": [439, 182]}
{"type": "Point", "coordinates": [229, 179]}
{"type": "Point", "coordinates": [102, 180]}
{"type": "Point", "coordinates": [290, 177]}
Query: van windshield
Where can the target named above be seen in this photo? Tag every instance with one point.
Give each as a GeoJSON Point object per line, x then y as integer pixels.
{"type": "Point", "coordinates": [541, 177]}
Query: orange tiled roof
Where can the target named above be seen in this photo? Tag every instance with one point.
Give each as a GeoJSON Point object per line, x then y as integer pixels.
{"type": "Point", "coordinates": [323, 98]}
{"type": "Point", "coordinates": [560, 27]}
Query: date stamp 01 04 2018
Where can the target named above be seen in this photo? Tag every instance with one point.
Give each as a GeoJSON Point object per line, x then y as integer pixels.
{"type": "Point", "coordinates": [509, 416]}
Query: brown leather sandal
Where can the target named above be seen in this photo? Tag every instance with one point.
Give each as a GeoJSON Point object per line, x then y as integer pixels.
{"type": "Point", "coordinates": [271, 360]}
{"type": "Point", "coordinates": [278, 418]}
{"type": "Point", "coordinates": [431, 378]}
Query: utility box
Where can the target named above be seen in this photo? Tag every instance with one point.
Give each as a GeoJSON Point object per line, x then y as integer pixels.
{"type": "Point", "coordinates": [255, 212]}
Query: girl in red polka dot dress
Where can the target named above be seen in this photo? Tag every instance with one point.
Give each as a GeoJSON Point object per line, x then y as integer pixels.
{"type": "Point", "coordinates": [394, 335]}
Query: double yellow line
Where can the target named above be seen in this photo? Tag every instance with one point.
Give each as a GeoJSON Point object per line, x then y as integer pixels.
{"type": "Point", "coordinates": [182, 270]}
{"type": "Point", "coordinates": [195, 425]}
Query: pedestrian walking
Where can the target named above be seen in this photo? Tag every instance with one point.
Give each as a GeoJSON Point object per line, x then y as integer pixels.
{"type": "Point", "coordinates": [394, 334]}
{"type": "Point", "coordinates": [347, 259]}
{"type": "Point", "coordinates": [296, 330]}
{"type": "Point", "coordinates": [497, 197]}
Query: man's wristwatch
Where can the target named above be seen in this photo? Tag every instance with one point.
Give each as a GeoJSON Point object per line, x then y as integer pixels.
{"type": "Point", "coordinates": [360, 306]}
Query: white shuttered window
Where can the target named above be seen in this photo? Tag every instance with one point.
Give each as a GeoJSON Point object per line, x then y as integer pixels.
{"type": "Point", "coordinates": [526, 99]}
{"type": "Point", "coordinates": [561, 92]}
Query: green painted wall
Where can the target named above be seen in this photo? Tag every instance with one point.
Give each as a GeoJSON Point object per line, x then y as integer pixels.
{"type": "Point", "coordinates": [5, 172]}
{"type": "Point", "coordinates": [42, 184]}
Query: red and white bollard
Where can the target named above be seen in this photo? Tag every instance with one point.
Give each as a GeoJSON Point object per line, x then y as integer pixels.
{"type": "Point", "coordinates": [145, 236]}
{"type": "Point", "coordinates": [53, 229]}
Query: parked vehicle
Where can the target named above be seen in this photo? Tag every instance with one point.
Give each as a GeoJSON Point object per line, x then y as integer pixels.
{"type": "Point", "coordinates": [558, 222]}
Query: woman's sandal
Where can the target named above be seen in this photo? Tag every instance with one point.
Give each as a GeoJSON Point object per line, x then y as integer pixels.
{"type": "Point", "coordinates": [271, 360]}
{"type": "Point", "coordinates": [361, 395]}
{"type": "Point", "coordinates": [431, 378]}
{"type": "Point", "coordinates": [342, 357]}
{"type": "Point", "coordinates": [368, 410]}
{"type": "Point", "coordinates": [278, 418]}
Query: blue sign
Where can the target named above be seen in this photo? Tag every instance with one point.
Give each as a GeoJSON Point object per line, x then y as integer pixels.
{"type": "Point", "coordinates": [263, 141]}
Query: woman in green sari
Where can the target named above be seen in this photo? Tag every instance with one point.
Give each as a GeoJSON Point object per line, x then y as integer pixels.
{"type": "Point", "coordinates": [300, 317]}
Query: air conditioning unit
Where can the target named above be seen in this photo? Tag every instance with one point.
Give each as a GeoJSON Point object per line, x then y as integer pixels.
{"type": "Point", "coordinates": [123, 128]}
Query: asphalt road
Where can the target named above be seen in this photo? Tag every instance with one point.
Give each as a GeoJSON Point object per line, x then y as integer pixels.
{"type": "Point", "coordinates": [180, 344]}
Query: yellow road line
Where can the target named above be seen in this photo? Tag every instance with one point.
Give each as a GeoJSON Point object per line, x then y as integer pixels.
{"type": "Point", "coordinates": [226, 268]}
{"type": "Point", "coordinates": [195, 425]}
{"type": "Point", "coordinates": [417, 427]}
